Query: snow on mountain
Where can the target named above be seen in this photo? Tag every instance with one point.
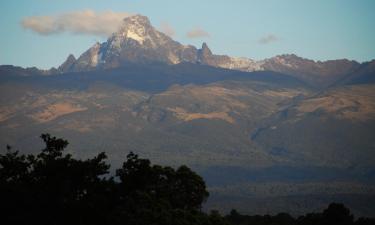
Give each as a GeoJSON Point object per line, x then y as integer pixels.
{"type": "Point", "coordinates": [138, 41]}
{"type": "Point", "coordinates": [243, 64]}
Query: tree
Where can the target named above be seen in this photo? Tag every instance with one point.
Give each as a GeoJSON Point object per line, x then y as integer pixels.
{"type": "Point", "coordinates": [181, 188]}
{"type": "Point", "coordinates": [337, 213]}
{"type": "Point", "coordinates": [52, 188]}
{"type": "Point", "coordinates": [188, 190]}
{"type": "Point", "coordinates": [365, 221]}
{"type": "Point", "coordinates": [55, 188]}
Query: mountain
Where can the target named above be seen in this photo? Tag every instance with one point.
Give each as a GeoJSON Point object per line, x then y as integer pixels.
{"type": "Point", "coordinates": [317, 73]}
{"type": "Point", "coordinates": [364, 74]}
{"type": "Point", "coordinates": [167, 105]}
{"type": "Point", "coordinates": [248, 134]}
{"type": "Point", "coordinates": [281, 133]}
{"type": "Point", "coordinates": [16, 71]}
{"type": "Point", "coordinates": [137, 41]}
{"type": "Point", "coordinates": [340, 121]}
{"type": "Point", "coordinates": [68, 64]}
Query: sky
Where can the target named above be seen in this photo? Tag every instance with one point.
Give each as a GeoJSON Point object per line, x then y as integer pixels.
{"type": "Point", "coordinates": [43, 33]}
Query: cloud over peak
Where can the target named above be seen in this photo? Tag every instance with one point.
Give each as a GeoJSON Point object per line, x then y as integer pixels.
{"type": "Point", "coordinates": [167, 29]}
{"type": "Point", "coordinates": [76, 22]}
{"type": "Point", "coordinates": [268, 39]}
{"type": "Point", "coordinates": [197, 32]}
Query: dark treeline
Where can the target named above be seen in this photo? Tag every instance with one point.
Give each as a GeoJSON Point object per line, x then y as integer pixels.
{"type": "Point", "coordinates": [54, 188]}
{"type": "Point", "coordinates": [335, 214]}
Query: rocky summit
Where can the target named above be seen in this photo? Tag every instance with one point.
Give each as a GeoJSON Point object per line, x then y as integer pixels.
{"type": "Point", "coordinates": [138, 41]}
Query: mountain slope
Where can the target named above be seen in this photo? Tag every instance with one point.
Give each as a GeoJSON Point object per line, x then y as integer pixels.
{"type": "Point", "coordinates": [278, 134]}
{"type": "Point", "coordinates": [320, 74]}
{"type": "Point", "coordinates": [240, 134]}
{"type": "Point", "coordinates": [334, 128]}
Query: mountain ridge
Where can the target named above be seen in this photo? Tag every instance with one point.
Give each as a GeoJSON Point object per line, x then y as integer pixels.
{"type": "Point", "coordinates": [137, 41]}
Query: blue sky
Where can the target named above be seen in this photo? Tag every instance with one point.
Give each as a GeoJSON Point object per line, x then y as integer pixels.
{"type": "Point", "coordinates": [258, 29]}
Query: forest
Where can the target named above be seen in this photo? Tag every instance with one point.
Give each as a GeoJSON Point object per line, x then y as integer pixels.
{"type": "Point", "coordinates": [53, 187]}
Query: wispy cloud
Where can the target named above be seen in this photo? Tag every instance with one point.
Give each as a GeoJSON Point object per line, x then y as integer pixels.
{"type": "Point", "coordinates": [197, 32]}
{"type": "Point", "coordinates": [167, 29]}
{"type": "Point", "coordinates": [77, 22]}
{"type": "Point", "coordinates": [270, 38]}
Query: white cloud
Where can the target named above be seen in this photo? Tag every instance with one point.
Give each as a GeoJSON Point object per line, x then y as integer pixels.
{"type": "Point", "coordinates": [197, 33]}
{"type": "Point", "coordinates": [167, 29]}
{"type": "Point", "coordinates": [77, 22]}
{"type": "Point", "coordinates": [268, 39]}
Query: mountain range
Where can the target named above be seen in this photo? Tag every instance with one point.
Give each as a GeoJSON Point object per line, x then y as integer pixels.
{"type": "Point", "coordinates": [284, 133]}
{"type": "Point", "coordinates": [137, 41]}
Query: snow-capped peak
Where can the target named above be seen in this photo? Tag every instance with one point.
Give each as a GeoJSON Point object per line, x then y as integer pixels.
{"type": "Point", "coordinates": [135, 27]}
{"type": "Point", "coordinates": [137, 40]}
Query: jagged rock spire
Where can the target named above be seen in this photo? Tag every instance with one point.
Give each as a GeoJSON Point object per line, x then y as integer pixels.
{"type": "Point", "coordinates": [67, 66]}
{"type": "Point", "coordinates": [204, 54]}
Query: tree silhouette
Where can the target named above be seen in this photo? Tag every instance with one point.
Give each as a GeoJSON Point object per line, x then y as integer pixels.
{"type": "Point", "coordinates": [52, 188]}
{"type": "Point", "coordinates": [157, 193]}
{"type": "Point", "coordinates": [56, 189]}
{"type": "Point", "coordinates": [337, 213]}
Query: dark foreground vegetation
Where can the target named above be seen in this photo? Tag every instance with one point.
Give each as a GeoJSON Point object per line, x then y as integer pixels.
{"type": "Point", "coordinates": [54, 188]}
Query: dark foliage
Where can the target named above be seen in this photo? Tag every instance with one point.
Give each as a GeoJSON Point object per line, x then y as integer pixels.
{"type": "Point", "coordinates": [335, 214]}
{"type": "Point", "coordinates": [54, 188]}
